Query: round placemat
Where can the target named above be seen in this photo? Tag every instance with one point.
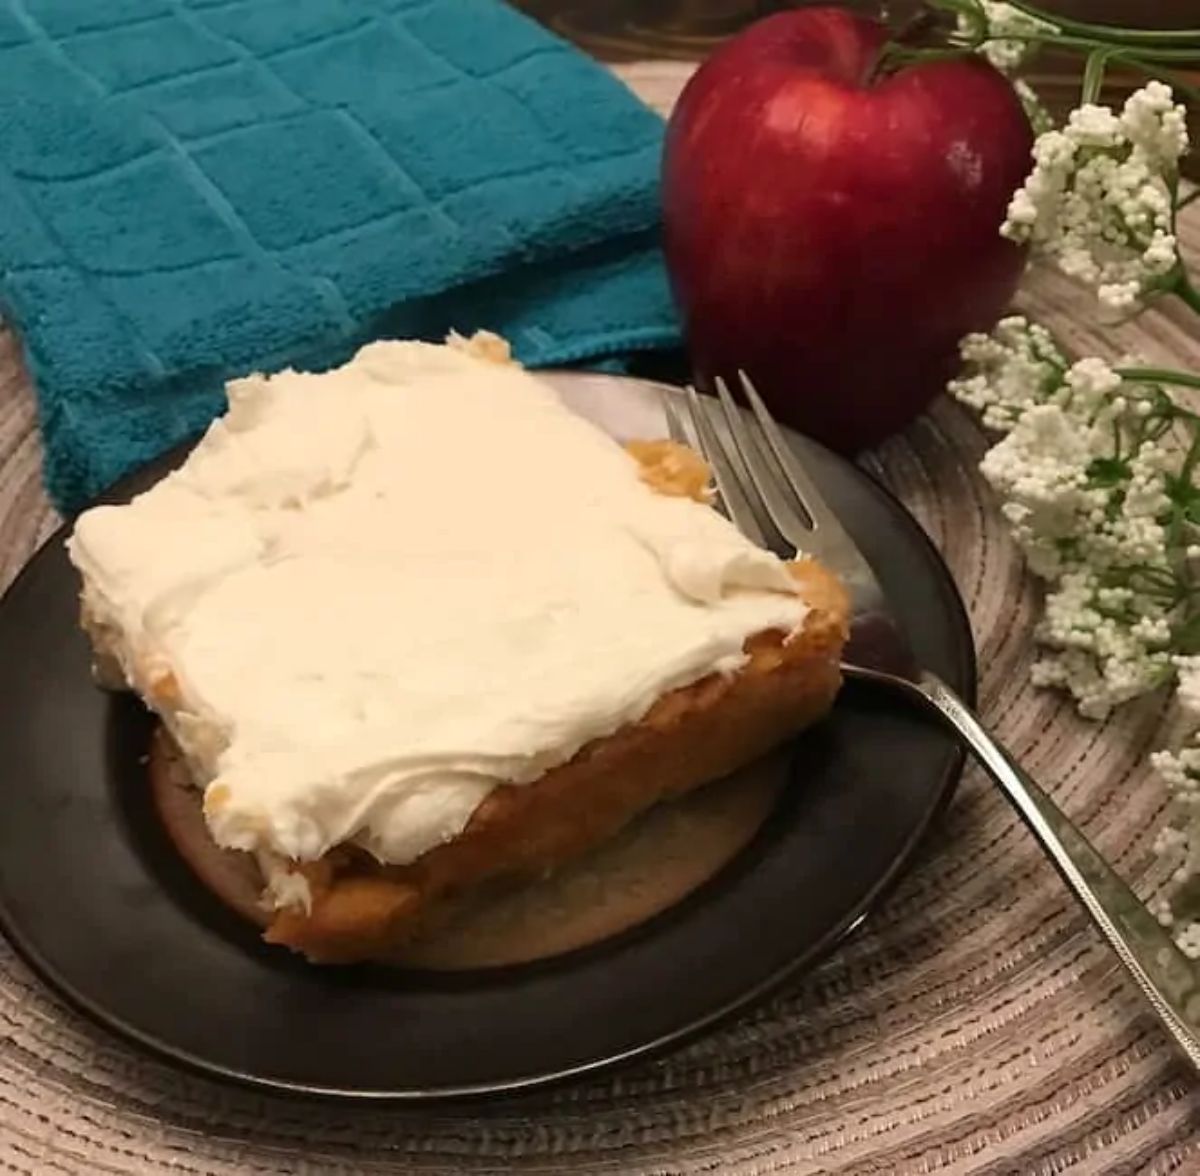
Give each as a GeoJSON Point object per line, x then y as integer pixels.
{"type": "Point", "coordinates": [974, 1025]}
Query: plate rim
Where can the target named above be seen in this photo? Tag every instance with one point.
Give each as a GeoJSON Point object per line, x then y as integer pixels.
{"type": "Point", "coordinates": [61, 988]}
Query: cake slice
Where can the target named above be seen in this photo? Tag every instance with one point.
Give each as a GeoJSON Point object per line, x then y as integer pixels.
{"type": "Point", "coordinates": [413, 625]}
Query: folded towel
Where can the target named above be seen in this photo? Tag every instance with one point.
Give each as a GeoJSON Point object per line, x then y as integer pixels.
{"type": "Point", "coordinates": [193, 189]}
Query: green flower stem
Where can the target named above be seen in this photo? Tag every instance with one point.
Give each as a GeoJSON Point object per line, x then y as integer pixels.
{"type": "Point", "coordinates": [1187, 56]}
{"type": "Point", "coordinates": [1155, 375]}
{"type": "Point", "coordinates": [1148, 60]}
{"type": "Point", "coordinates": [1180, 512]}
{"type": "Point", "coordinates": [1093, 73]}
{"type": "Point", "coordinates": [1110, 32]}
{"type": "Point", "coordinates": [1143, 52]}
{"type": "Point", "coordinates": [1190, 460]}
{"type": "Point", "coordinates": [1184, 289]}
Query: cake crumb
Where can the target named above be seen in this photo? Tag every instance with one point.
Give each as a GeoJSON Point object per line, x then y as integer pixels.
{"type": "Point", "coordinates": [672, 469]}
{"type": "Point", "coordinates": [482, 345]}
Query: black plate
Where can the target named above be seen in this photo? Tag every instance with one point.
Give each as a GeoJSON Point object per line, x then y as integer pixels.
{"type": "Point", "coordinates": [95, 899]}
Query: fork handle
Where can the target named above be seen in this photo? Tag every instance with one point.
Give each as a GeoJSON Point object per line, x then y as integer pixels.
{"type": "Point", "coordinates": [1167, 979]}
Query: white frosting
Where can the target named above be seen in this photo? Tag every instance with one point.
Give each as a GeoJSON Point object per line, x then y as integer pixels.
{"type": "Point", "coordinates": [384, 590]}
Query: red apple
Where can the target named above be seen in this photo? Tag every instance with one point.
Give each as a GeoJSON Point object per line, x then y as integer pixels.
{"type": "Point", "coordinates": [835, 233]}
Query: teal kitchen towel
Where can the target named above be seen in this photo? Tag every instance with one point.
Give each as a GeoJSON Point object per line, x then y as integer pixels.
{"type": "Point", "coordinates": [193, 190]}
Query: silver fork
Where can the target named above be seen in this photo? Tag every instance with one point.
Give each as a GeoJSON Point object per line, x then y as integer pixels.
{"type": "Point", "coordinates": [759, 477]}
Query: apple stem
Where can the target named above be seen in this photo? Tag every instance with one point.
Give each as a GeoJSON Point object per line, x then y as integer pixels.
{"type": "Point", "coordinates": [921, 22]}
{"type": "Point", "coordinates": [893, 55]}
{"type": "Point", "coordinates": [904, 46]}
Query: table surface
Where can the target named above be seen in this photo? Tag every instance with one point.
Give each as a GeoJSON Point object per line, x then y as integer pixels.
{"type": "Point", "coordinates": [975, 1025]}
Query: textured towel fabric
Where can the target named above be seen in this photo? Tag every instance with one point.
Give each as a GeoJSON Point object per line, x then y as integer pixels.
{"type": "Point", "coordinates": [192, 190]}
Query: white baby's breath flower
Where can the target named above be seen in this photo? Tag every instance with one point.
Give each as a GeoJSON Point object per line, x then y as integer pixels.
{"type": "Point", "coordinates": [1180, 771]}
{"type": "Point", "coordinates": [1006, 29]}
{"type": "Point", "coordinates": [1187, 690]}
{"type": "Point", "coordinates": [1035, 109]}
{"type": "Point", "coordinates": [1016, 366]}
{"type": "Point", "coordinates": [1156, 124]}
{"type": "Point", "coordinates": [1040, 471]}
{"type": "Point", "coordinates": [1090, 385]}
{"type": "Point", "coordinates": [1083, 487]}
{"type": "Point", "coordinates": [1189, 941]}
{"type": "Point", "coordinates": [1177, 843]}
{"type": "Point", "coordinates": [1090, 125]}
{"type": "Point", "coordinates": [1099, 199]}
{"type": "Point", "coordinates": [1088, 471]}
{"type": "Point", "coordinates": [1160, 907]}
{"type": "Point", "coordinates": [1099, 657]}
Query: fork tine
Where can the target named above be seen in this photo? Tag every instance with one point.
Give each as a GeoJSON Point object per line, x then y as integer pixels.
{"type": "Point", "coordinates": [741, 513]}
{"type": "Point", "coordinates": [806, 489]}
{"type": "Point", "coordinates": [789, 522]}
{"type": "Point", "coordinates": [677, 428]}
{"type": "Point", "coordinates": [829, 540]}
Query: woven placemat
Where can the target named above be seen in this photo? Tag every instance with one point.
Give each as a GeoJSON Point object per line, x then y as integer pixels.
{"type": "Point", "coordinates": [975, 1025]}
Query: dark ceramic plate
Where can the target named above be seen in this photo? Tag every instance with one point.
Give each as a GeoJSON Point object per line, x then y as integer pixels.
{"type": "Point", "coordinates": [95, 898]}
